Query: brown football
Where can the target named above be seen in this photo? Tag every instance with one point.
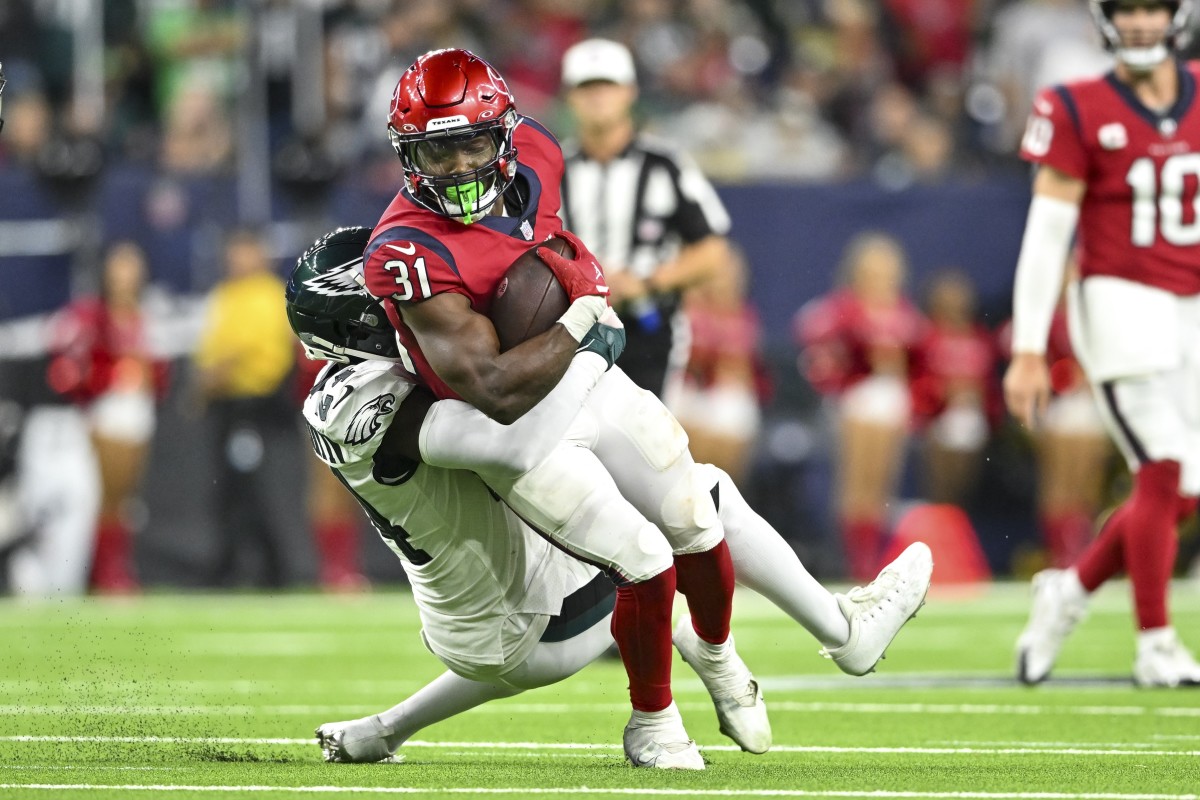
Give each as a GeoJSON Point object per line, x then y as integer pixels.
{"type": "Point", "coordinates": [529, 299]}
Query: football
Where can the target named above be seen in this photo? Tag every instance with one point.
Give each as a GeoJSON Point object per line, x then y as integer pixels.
{"type": "Point", "coordinates": [529, 299]}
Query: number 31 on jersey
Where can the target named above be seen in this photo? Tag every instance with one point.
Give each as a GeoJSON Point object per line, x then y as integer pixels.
{"type": "Point", "coordinates": [404, 276]}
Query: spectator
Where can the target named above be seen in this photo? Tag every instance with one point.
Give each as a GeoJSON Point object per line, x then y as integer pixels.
{"type": "Point", "coordinates": [120, 384]}
{"type": "Point", "coordinates": [957, 394]}
{"type": "Point", "coordinates": [58, 479]}
{"type": "Point", "coordinates": [243, 358]}
{"type": "Point", "coordinates": [718, 403]}
{"type": "Point", "coordinates": [860, 345]}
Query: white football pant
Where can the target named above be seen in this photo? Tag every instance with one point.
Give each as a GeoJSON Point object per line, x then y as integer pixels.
{"type": "Point", "coordinates": [1140, 348]}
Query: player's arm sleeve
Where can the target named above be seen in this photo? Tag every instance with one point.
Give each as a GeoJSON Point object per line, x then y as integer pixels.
{"type": "Point", "coordinates": [1041, 264]}
{"type": "Point", "coordinates": [1053, 140]}
{"type": "Point", "coordinates": [456, 435]}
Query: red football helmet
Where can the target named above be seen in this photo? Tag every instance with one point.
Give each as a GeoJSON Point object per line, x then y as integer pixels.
{"type": "Point", "coordinates": [451, 123]}
{"type": "Point", "coordinates": [1142, 59]}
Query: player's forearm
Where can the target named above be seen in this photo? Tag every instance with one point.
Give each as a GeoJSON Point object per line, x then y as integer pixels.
{"type": "Point", "coordinates": [509, 385]}
{"type": "Point", "coordinates": [695, 264]}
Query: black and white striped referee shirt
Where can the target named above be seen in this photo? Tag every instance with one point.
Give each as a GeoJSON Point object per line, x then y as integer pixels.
{"type": "Point", "coordinates": [635, 213]}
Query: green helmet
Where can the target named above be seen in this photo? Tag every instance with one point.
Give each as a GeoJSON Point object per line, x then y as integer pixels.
{"type": "Point", "coordinates": [329, 308]}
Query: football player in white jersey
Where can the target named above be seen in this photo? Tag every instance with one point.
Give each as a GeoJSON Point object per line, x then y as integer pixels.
{"type": "Point", "coordinates": [501, 607]}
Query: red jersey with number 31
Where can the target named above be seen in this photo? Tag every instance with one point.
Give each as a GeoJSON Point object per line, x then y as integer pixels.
{"type": "Point", "coordinates": [415, 253]}
{"type": "Point", "coordinates": [1140, 216]}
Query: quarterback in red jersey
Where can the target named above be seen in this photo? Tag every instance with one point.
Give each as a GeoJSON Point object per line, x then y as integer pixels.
{"type": "Point", "coordinates": [467, 210]}
{"type": "Point", "coordinates": [1118, 158]}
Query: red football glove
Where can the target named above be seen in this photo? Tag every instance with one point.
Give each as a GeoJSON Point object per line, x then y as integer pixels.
{"type": "Point", "coordinates": [580, 276]}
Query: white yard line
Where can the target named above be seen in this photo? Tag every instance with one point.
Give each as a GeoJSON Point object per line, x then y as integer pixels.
{"type": "Point", "coordinates": [1071, 749]}
{"type": "Point", "coordinates": [639, 791]}
{"type": "Point", "coordinates": [508, 709]}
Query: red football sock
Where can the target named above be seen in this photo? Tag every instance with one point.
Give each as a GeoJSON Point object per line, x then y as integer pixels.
{"type": "Point", "coordinates": [1151, 541]}
{"type": "Point", "coordinates": [1067, 535]}
{"type": "Point", "coordinates": [112, 561]}
{"type": "Point", "coordinates": [1105, 556]}
{"type": "Point", "coordinates": [863, 539]}
{"type": "Point", "coordinates": [337, 547]}
{"type": "Point", "coordinates": [641, 626]}
{"type": "Point", "coordinates": [706, 580]}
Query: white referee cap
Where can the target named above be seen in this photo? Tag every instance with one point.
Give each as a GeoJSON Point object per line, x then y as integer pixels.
{"type": "Point", "coordinates": [597, 60]}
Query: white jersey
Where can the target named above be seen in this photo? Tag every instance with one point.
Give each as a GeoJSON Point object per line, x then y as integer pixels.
{"type": "Point", "coordinates": [484, 582]}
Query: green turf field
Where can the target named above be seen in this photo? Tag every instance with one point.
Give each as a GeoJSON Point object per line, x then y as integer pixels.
{"type": "Point", "coordinates": [202, 696]}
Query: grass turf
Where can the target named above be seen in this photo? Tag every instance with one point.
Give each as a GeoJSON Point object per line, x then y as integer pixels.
{"type": "Point", "coordinates": [202, 696]}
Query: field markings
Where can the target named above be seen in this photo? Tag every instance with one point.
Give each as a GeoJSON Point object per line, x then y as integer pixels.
{"type": "Point", "coordinates": [819, 680]}
{"type": "Point", "coordinates": [89, 767]}
{"type": "Point", "coordinates": [1070, 749]}
{"type": "Point", "coordinates": [639, 791]}
{"type": "Point", "coordinates": [508, 709]}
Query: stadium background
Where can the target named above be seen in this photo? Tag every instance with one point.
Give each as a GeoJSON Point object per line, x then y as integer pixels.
{"type": "Point", "coordinates": [169, 122]}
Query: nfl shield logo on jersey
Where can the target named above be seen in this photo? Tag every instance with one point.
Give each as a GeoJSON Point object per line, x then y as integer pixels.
{"type": "Point", "coordinates": [1113, 136]}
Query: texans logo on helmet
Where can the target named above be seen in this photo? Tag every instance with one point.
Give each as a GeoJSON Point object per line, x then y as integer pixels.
{"type": "Point", "coordinates": [365, 422]}
{"type": "Point", "coordinates": [343, 279]}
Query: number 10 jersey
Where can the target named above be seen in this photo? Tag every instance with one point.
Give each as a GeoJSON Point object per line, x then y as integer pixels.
{"type": "Point", "coordinates": [1140, 215]}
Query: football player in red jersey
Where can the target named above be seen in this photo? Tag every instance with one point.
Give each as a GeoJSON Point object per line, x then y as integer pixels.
{"type": "Point", "coordinates": [467, 211]}
{"type": "Point", "coordinates": [1118, 160]}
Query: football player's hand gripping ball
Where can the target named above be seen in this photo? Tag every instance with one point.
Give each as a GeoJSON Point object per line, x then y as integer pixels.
{"type": "Point", "coordinates": [580, 276]}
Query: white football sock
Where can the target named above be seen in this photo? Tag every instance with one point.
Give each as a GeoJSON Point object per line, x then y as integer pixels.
{"type": "Point", "coordinates": [765, 562]}
{"type": "Point", "coordinates": [1071, 586]}
{"type": "Point", "coordinates": [442, 698]}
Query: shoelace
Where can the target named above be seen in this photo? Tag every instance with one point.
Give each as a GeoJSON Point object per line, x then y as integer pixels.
{"type": "Point", "coordinates": [877, 592]}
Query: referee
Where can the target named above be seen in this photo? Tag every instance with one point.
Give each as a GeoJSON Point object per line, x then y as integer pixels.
{"type": "Point", "coordinates": [648, 214]}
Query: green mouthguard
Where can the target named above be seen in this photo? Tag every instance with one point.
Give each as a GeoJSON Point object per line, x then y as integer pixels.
{"type": "Point", "coordinates": [465, 195]}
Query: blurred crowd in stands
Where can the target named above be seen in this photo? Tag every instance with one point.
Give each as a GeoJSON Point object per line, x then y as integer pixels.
{"type": "Point", "coordinates": [903, 90]}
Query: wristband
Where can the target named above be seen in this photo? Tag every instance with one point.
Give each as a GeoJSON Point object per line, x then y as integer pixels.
{"type": "Point", "coordinates": [582, 315]}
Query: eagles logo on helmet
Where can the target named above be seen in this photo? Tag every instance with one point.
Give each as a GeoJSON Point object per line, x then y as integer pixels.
{"type": "Point", "coordinates": [1145, 58]}
{"type": "Point", "coordinates": [329, 311]}
{"type": "Point", "coordinates": [451, 123]}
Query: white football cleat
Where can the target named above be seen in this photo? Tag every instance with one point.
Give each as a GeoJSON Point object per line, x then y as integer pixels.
{"type": "Point", "coordinates": [735, 693]}
{"type": "Point", "coordinates": [1057, 609]}
{"type": "Point", "coordinates": [357, 741]}
{"type": "Point", "coordinates": [1163, 661]}
{"type": "Point", "coordinates": [658, 739]}
{"type": "Point", "coordinates": [876, 612]}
